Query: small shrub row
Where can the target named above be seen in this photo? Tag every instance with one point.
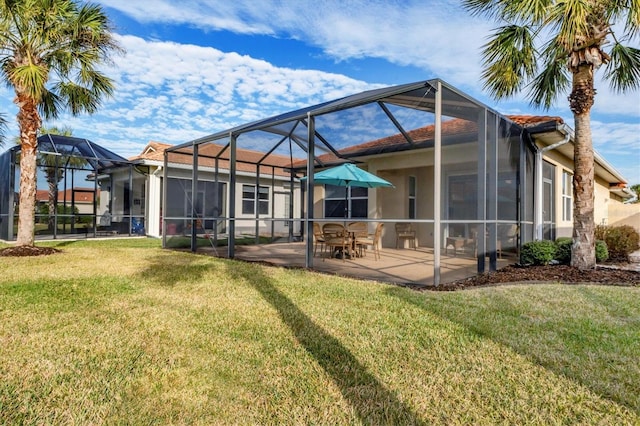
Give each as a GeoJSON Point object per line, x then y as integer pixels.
{"type": "Point", "coordinates": [545, 252]}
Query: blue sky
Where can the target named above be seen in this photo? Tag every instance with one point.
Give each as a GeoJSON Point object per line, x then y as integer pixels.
{"type": "Point", "coordinates": [197, 67]}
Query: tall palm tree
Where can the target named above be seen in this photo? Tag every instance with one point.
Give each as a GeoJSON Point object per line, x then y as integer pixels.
{"type": "Point", "coordinates": [50, 52]}
{"type": "Point", "coordinates": [550, 46]}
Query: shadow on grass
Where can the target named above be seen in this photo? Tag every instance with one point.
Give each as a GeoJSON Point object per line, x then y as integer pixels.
{"type": "Point", "coordinates": [372, 401]}
{"type": "Point", "coordinates": [592, 353]}
{"type": "Point", "coordinates": [169, 268]}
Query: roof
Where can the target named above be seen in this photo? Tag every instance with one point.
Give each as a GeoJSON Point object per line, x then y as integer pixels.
{"type": "Point", "coordinates": [82, 195]}
{"type": "Point", "coordinates": [246, 159]}
{"type": "Point", "coordinates": [423, 137]}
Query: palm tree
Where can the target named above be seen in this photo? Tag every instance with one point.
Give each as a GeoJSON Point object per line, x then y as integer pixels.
{"type": "Point", "coordinates": [50, 52]}
{"type": "Point", "coordinates": [575, 38]}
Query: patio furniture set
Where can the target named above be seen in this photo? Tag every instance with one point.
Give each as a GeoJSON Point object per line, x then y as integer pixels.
{"type": "Point", "coordinates": [348, 240]}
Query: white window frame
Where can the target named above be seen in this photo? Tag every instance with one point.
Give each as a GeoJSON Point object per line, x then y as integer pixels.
{"type": "Point", "coordinates": [413, 212]}
{"type": "Point", "coordinates": [254, 196]}
{"type": "Point", "coordinates": [567, 196]}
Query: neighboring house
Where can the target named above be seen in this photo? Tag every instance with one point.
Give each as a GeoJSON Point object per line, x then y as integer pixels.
{"type": "Point", "coordinates": [267, 198]}
{"type": "Point", "coordinates": [81, 198]}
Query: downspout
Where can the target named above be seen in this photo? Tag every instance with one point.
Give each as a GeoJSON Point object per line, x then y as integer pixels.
{"type": "Point", "coordinates": [538, 219]}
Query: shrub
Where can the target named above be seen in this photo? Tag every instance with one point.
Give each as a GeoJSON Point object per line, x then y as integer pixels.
{"type": "Point", "coordinates": [563, 250]}
{"type": "Point", "coordinates": [620, 240]}
{"type": "Point", "coordinates": [538, 252]}
{"type": "Point", "coordinates": [602, 252]}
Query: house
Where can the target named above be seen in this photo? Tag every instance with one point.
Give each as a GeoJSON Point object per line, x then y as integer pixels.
{"type": "Point", "coordinates": [266, 191]}
{"type": "Point", "coordinates": [461, 171]}
{"type": "Point", "coordinates": [392, 159]}
{"type": "Point", "coordinates": [81, 198]}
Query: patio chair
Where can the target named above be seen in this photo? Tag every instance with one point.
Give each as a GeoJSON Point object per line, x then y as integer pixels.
{"type": "Point", "coordinates": [405, 232]}
{"type": "Point", "coordinates": [358, 231]}
{"type": "Point", "coordinates": [336, 238]}
{"type": "Point", "coordinates": [373, 241]}
{"type": "Point", "coordinates": [318, 238]}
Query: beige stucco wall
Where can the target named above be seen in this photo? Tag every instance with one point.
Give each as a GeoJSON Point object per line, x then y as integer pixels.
{"type": "Point", "coordinates": [624, 214]}
{"type": "Point", "coordinates": [602, 196]}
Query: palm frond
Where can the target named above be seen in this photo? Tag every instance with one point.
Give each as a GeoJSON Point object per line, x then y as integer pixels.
{"type": "Point", "coordinates": [632, 23]}
{"type": "Point", "coordinates": [3, 129]}
{"type": "Point", "coordinates": [510, 60]}
{"type": "Point", "coordinates": [570, 19]}
{"type": "Point", "coordinates": [50, 105]}
{"type": "Point", "coordinates": [486, 8]}
{"type": "Point", "coordinates": [549, 84]}
{"type": "Point", "coordinates": [30, 78]}
{"type": "Point", "coordinates": [623, 71]}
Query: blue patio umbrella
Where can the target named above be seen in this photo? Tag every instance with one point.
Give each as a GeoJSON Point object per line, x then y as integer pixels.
{"type": "Point", "coordinates": [347, 175]}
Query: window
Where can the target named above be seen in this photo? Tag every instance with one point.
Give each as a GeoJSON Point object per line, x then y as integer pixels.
{"type": "Point", "coordinates": [249, 199]}
{"type": "Point", "coordinates": [412, 197]}
{"type": "Point", "coordinates": [567, 196]}
{"type": "Point", "coordinates": [334, 202]}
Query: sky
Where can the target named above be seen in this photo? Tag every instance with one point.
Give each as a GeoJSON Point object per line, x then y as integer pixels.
{"type": "Point", "coordinates": [197, 67]}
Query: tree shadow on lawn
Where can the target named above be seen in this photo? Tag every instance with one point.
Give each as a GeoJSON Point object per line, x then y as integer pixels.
{"type": "Point", "coordinates": [371, 400]}
{"type": "Point", "coordinates": [169, 268]}
{"type": "Point", "coordinates": [538, 340]}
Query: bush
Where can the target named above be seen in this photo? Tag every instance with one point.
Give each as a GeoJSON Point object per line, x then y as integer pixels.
{"type": "Point", "coordinates": [602, 252]}
{"type": "Point", "coordinates": [621, 241]}
{"type": "Point", "coordinates": [563, 250]}
{"type": "Point", "coordinates": [538, 252]}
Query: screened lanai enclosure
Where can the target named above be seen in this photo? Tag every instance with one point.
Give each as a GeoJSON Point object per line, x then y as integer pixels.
{"type": "Point", "coordinates": [83, 190]}
{"type": "Point", "coordinates": [462, 176]}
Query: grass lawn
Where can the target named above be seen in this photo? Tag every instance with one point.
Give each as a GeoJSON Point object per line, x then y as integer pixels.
{"type": "Point", "coordinates": [123, 332]}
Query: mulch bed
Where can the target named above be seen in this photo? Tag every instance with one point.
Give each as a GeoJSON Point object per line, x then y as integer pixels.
{"type": "Point", "coordinates": [21, 251]}
{"type": "Point", "coordinates": [547, 274]}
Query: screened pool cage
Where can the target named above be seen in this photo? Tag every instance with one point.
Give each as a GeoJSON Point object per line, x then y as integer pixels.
{"type": "Point", "coordinates": [84, 190]}
{"type": "Point", "coordinates": [460, 171]}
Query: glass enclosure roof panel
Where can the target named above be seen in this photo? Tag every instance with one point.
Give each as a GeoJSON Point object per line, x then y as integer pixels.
{"type": "Point", "coordinates": [99, 157]}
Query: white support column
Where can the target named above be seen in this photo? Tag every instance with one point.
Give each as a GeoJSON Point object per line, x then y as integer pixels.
{"type": "Point", "coordinates": [437, 178]}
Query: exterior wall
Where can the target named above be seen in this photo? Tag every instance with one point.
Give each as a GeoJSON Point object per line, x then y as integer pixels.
{"type": "Point", "coordinates": [564, 228]}
{"type": "Point", "coordinates": [245, 223]}
{"type": "Point", "coordinates": [602, 197]}
{"type": "Point", "coordinates": [624, 214]}
{"type": "Point", "coordinates": [602, 202]}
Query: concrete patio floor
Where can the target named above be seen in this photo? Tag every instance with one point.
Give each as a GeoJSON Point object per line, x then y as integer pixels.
{"type": "Point", "coordinates": [397, 266]}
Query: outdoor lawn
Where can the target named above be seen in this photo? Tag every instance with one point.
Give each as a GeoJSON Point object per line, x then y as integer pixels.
{"type": "Point", "coordinates": [123, 332]}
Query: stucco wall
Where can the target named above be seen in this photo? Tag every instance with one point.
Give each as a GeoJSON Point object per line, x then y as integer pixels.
{"type": "Point", "coordinates": [602, 198]}
{"type": "Point", "coordinates": [624, 214]}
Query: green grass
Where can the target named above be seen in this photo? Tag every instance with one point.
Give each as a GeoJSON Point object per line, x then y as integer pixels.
{"type": "Point", "coordinates": [111, 332]}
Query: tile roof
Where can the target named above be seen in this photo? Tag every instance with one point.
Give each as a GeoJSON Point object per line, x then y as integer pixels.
{"type": "Point", "coordinates": [83, 195]}
{"type": "Point", "coordinates": [457, 127]}
{"type": "Point", "coordinates": [246, 158]}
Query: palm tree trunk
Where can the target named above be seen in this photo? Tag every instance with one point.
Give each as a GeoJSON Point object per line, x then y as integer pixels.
{"type": "Point", "coordinates": [29, 123]}
{"type": "Point", "coordinates": [583, 254]}
{"type": "Point", "coordinates": [53, 189]}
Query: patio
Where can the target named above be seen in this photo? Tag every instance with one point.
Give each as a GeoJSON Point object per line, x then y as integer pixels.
{"type": "Point", "coordinates": [396, 266]}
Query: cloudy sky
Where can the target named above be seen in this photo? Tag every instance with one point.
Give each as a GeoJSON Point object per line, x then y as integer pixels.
{"type": "Point", "coordinates": [196, 67]}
